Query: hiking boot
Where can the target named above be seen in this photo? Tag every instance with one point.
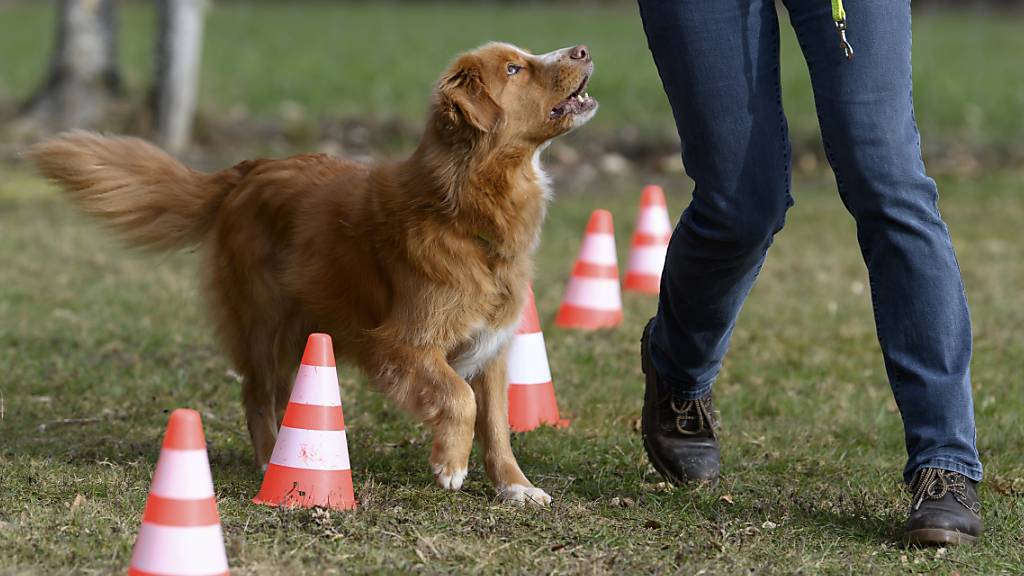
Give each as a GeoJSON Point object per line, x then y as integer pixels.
{"type": "Point", "coordinates": [944, 511]}
{"type": "Point", "coordinates": [679, 435]}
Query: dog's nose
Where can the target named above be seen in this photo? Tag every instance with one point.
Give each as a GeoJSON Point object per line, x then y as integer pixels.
{"type": "Point", "coordinates": [580, 52]}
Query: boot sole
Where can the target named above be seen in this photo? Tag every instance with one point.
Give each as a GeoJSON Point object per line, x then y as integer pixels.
{"type": "Point", "coordinates": [937, 537]}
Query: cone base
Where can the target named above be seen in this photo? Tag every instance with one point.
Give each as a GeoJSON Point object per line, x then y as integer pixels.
{"type": "Point", "coordinates": [531, 406]}
{"type": "Point", "coordinates": [302, 488]}
{"type": "Point", "coordinates": [165, 550]}
{"type": "Point", "coordinates": [137, 572]}
{"type": "Point", "coordinates": [570, 316]}
{"type": "Point", "coordinates": [643, 283]}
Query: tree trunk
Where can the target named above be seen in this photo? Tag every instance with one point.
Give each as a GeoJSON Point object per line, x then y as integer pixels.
{"type": "Point", "coordinates": [84, 78]}
{"type": "Point", "coordinates": [178, 59]}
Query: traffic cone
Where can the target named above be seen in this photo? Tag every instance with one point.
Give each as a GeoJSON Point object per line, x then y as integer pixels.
{"type": "Point", "coordinates": [531, 395]}
{"type": "Point", "coordinates": [310, 466]}
{"type": "Point", "coordinates": [650, 243]}
{"type": "Point", "coordinates": [592, 299]}
{"type": "Point", "coordinates": [180, 532]}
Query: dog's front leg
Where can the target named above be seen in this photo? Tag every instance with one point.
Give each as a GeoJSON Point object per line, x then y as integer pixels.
{"type": "Point", "coordinates": [421, 381]}
{"type": "Point", "coordinates": [491, 390]}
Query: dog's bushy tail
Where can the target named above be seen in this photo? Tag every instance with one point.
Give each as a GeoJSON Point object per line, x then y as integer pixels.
{"type": "Point", "coordinates": [147, 196]}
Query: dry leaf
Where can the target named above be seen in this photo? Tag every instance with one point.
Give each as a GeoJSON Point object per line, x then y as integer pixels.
{"type": "Point", "coordinates": [79, 500]}
{"type": "Point", "coordinates": [1005, 486]}
{"type": "Point", "coordinates": [624, 502]}
{"type": "Point", "coordinates": [663, 487]}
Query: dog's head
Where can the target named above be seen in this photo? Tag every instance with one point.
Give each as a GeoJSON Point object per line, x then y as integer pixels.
{"type": "Point", "coordinates": [513, 96]}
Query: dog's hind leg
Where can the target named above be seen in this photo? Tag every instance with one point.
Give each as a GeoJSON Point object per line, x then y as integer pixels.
{"type": "Point", "coordinates": [491, 390]}
{"type": "Point", "coordinates": [420, 380]}
{"type": "Point", "coordinates": [266, 360]}
{"type": "Point", "coordinates": [276, 350]}
{"type": "Point", "coordinates": [288, 347]}
{"type": "Point", "coordinates": [260, 415]}
{"type": "Point", "coordinates": [256, 372]}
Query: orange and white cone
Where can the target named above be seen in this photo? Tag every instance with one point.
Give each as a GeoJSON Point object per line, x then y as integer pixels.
{"type": "Point", "coordinates": [180, 532]}
{"type": "Point", "coordinates": [592, 299]}
{"type": "Point", "coordinates": [310, 466]}
{"type": "Point", "coordinates": [650, 243]}
{"type": "Point", "coordinates": [531, 395]}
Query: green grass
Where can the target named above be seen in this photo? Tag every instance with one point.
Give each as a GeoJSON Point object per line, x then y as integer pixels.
{"type": "Point", "coordinates": [98, 344]}
{"type": "Point", "coordinates": [813, 445]}
{"type": "Point", "coordinates": [380, 59]}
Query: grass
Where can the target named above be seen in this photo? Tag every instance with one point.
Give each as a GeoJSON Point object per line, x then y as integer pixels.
{"type": "Point", "coordinates": [339, 59]}
{"type": "Point", "coordinates": [97, 344]}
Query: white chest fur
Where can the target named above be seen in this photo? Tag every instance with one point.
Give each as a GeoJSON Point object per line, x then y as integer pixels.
{"type": "Point", "coordinates": [485, 344]}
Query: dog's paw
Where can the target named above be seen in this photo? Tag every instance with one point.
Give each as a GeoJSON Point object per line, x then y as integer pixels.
{"type": "Point", "coordinates": [519, 495]}
{"type": "Point", "coordinates": [449, 478]}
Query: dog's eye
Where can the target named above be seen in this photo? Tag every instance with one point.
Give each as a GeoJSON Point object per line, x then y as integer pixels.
{"type": "Point", "coordinates": [513, 69]}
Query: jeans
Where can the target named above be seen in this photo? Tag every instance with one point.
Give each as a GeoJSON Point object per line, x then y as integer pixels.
{"type": "Point", "coordinates": [719, 64]}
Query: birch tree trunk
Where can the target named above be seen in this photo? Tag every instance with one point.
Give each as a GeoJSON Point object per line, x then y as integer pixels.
{"type": "Point", "coordinates": [178, 59]}
{"type": "Point", "coordinates": [84, 78]}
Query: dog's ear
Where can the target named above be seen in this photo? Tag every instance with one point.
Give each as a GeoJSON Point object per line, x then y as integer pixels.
{"type": "Point", "coordinates": [463, 97]}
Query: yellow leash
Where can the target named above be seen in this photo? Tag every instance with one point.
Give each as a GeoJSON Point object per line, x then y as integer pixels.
{"type": "Point", "coordinates": [839, 17]}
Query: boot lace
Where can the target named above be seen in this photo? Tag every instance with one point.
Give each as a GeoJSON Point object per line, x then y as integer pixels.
{"type": "Point", "coordinates": [689, 410]}
{"type": "Point", "coordinates": [935, 483]}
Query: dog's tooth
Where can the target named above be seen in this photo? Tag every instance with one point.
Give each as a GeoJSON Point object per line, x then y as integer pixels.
{"type": "Point", "coordinates": [586, 95]}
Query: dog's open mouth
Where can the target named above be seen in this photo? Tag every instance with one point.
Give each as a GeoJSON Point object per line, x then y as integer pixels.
{"type": "Point", "coordinates": [576, 103]}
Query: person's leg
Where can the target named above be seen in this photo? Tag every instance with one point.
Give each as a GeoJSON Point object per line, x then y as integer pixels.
{"type": "Point", "coordinates": [719, 64]}
{"type": "Point", "coordinates": [866, 113]}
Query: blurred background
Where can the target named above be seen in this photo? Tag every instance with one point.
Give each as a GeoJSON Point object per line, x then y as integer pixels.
{"type": "Point", "coordinates": [216, 81]}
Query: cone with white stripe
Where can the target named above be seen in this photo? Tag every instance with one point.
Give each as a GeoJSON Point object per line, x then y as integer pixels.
{"type": "Point", "coordinates": [592, 298]}
{"type": "Point", "coordinates": [650, 243]}
{"type": "Point", "coordinates": [531, 395]}
{"type": "Point", "coordinates": [180, 532]}
{"type": "Point", "coordinates": [310, 466]}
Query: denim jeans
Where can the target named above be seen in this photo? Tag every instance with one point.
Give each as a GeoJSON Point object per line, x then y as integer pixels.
{"type": "Point", "coordinates": [719, 64]}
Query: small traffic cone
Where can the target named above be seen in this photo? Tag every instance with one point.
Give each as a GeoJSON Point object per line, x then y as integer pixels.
{"type": "Point", "coordinates": [310, 466]}
{"type": "Point", "coordinates": [592, 298]}
{"type": "Point", "coordinates": [650, 243]}
{"type": "Point", "coordinates": [531, 395]}
{"type": "Point", "coordinates": [180, 532]}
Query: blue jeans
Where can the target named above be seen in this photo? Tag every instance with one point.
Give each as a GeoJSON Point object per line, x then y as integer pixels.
{"type": "Point", "coordinates": [719, 63]}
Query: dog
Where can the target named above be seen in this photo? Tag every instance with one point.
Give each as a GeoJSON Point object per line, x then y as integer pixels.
{"type": "Point", "coordinates": [418, 269]}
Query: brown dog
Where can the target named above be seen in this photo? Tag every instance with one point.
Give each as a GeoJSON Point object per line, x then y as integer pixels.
{"type": "Point", "coordinates": [417, 269]}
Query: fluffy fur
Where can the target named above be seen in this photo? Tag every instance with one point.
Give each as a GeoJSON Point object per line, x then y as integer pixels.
{"type": "Point", "coordinates": [417, 268]}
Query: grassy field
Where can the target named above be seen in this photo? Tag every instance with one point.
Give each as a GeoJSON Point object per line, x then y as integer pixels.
{"type": "Point", "coordinates": [97, 344]}
{"type": "Point", "coordinates": [379, 60]}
